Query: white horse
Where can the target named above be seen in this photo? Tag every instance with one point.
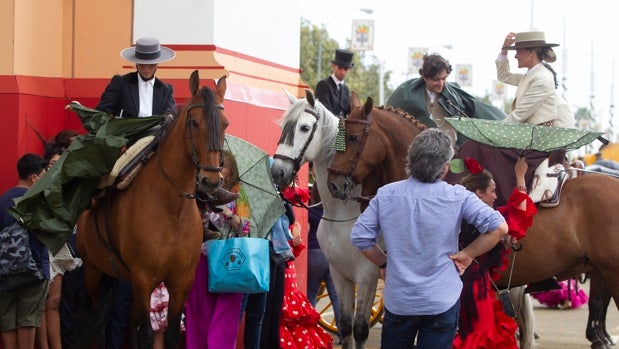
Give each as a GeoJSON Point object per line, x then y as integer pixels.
{"type": "Point", "coordinates": [308, 131]}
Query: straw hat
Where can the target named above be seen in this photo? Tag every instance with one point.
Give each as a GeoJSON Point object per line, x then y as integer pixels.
{"type": "Point", "coordinates": [147, 51]}
{"type": "Point", "coordinates": [530, 40]}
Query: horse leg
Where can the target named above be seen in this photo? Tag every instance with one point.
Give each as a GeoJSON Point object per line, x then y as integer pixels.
{"type": "Point", "coordinates": [599, 300]}
{"type": "Point", "coordinates": [524, 316]}
{"type": "Point", "coordinates": [346, 294]}
{"type": "Point", "coordinates": [140, 329]}
{"type": "Point", "coordinates": [366, 292]}
{"type": "Point", "coordinates": [176, 305]}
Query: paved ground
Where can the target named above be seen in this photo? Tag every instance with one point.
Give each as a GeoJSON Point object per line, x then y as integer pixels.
{"type": "Point", "coordinates": [557, 329]}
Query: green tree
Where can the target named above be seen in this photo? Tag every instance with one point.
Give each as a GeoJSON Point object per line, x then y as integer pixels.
{"type": "Point", "coordinates": [364, 80]}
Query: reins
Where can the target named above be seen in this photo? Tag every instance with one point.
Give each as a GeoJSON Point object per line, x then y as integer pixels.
{"type": "Point", "coordinates": [299, 203]}
{"type": "Point", "coordinates": [353, 166]}
{"type": "Point", "coordinates": [194, 156]}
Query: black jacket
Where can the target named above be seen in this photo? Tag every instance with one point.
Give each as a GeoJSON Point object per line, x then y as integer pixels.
{"type": "Point", "coordinates": [122, 95]}
{"type": "Point", "coordinates": [329, 95]}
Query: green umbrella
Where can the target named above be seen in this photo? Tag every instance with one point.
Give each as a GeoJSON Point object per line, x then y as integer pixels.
{"type": "Point", "coordinates": [52, 205]}
{"type": "Point", "coordinates": [522, 136]}
{"type": "Point", "coordinates": [265, 205]}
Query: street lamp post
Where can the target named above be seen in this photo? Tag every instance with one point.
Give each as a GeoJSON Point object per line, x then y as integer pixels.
{"type": "Point", "coordinates": [323, 29]}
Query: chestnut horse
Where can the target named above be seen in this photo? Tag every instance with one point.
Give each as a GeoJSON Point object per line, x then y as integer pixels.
{"type": "Point", "coordinates": [308, 131]}
{"type": "Point", "coordinates": [151, 232]}
{"type": "Point", "coordinates": [573, 238]}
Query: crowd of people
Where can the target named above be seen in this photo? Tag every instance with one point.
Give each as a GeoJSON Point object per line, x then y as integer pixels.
{"type": "Point", "coordinates": [439, 290]}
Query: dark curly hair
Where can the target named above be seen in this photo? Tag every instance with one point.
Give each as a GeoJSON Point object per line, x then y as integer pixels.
{"type": "Point", "coordinates": [433, 64]}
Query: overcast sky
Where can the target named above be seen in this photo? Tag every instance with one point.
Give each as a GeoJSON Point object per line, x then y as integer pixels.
{"type": "Point", "coordinates": [471, 32]}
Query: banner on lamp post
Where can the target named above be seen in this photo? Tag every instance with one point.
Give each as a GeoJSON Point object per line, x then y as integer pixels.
{"type": "Point", "coordinates": [415, 58]}
{"type": "Point", "coordinates": [362, 35]}
{"type": "Point", "coordinates": [498, 90]}
{"type": "Point", "coordinates": [464, 75]}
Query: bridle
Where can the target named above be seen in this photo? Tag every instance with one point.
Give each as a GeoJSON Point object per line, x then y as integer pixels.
{"type": "Point", "coordinates": [194, 154]}
{"type": "Point", "coordinates": [297, 161]}
{"type": "Point", "coordinates": [350, 173]}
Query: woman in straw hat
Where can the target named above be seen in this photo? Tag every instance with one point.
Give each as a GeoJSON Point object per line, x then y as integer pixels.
{"type": "Point", "coordinates": [140, 93]}
{"type": "Point", "coordinates": [537, 100]}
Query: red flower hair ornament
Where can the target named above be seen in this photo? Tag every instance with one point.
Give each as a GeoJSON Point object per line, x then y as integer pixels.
{"type": "Point", "coordinates": [459, 165]}
{"type": "Point", "coordinates": [473, 166]}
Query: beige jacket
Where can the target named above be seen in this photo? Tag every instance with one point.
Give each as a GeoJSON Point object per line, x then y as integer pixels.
{"type": "Point", "coordinates": [535, 101]}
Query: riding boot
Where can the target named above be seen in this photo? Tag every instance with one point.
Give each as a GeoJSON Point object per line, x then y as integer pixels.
{"type": "Point", "coordinates": [222, 197]}
{"type": "Point", "coordinates": [210, 232]}
{"type": "Point", "coordinates": [211, 235]}
{"type": "Point", "coordinates": [553, 201]}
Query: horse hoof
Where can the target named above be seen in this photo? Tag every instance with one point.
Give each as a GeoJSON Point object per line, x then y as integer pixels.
{"type": "Point", "coordinates": [600, 345]}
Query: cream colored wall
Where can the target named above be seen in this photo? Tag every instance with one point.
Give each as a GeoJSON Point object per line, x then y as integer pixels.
{"type": "Point", "coordinates": [82, 39]}
{"type": "Point", "coordinates": [38, 38]}
{"type": "Point", "coordinates": [7, 23]}
{"type": "Point", "coordinates": [102, 30]}
{"type": "Point", "coordinates": [45, 38]}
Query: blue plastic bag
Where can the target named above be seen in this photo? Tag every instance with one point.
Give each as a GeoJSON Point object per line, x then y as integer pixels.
{"type": "Point", "coordinates": [238, 265]}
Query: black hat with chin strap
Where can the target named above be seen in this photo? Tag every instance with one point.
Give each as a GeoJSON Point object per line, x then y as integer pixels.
{"type": "Point", "coordinates": [343, 58]}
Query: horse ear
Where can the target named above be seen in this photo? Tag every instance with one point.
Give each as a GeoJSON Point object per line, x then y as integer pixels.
{"type": "Point", "coordinates": [355, 101]}
{"type": "Point", "coordinates": [367, 107]}
{"type": "Point", "coordinates": [290, 96]}
{"type": "Point", "coordinates": [310, 97]}
{"type": "Point", "coordinates": [194, 82]}
{"type": "Point", "coordinates": [222, 85]}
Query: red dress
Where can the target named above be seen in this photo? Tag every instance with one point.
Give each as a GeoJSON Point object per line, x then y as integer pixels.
{"type": "Point", "coordinates": [483, 324]}
{"type": "Point", "coordinates": [299, 326]}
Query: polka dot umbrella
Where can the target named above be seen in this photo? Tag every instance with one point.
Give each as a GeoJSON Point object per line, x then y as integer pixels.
{"type": "Point", "coordinates": [502, 134]}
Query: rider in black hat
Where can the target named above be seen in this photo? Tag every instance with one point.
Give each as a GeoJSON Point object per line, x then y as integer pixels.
{"type": "Point", "coordinates": [332, 92]}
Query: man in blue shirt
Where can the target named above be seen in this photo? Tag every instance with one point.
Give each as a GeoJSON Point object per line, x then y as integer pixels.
{"type": "Point", "coordinates": [419, 219]}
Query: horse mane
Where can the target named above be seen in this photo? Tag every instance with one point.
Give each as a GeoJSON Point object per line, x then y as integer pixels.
{"type": "Point", "coordinates": [211, 117]}
{"type": "Point", "coordinates": [418, 124]}
{"type": "Point", "coordinates": [290, 118]}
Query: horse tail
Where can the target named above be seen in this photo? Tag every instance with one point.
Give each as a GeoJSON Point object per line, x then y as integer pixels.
{"type": "Point", "coordinates": [86, 321]}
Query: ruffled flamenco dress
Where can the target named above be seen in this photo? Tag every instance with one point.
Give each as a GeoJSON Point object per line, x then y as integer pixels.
{"type": "Point", "coordinates": [483, 324]}
{"type": "Point", "coordinates": [569, 296]}
{"type": "Point", "coordinates": [299, 326]}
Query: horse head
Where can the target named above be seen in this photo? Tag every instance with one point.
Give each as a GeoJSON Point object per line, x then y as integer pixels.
{"type": "Point", "coordinates": [204, 123]}
{"type": "Point", "coordinates": [306, 126]}
{"type": "Point", "coordinates": [376, 143]}
{"type": "Point", "coordinates": [351, 165]}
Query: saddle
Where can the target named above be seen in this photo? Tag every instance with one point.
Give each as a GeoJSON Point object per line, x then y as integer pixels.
{"type": "Point", "coordinates": [128, 165]}
{"type": "Point", "coordinates": [131, 161]}
{"type": "Point", "coordinates": [547, 184]}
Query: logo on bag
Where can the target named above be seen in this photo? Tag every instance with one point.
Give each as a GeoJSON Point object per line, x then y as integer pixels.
{"type": "Point", "coordinates": [233, 259]}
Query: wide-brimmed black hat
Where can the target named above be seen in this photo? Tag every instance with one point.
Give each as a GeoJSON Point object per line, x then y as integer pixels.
{"type": "Point", "coordinates": [147, 51]}
{"type": "Point", "coordinates": [530, 40]}
{"type": "Point", "coordinates": [343, 58]}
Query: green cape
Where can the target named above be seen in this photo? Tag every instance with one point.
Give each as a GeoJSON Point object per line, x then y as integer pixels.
{"type": "Point", "coordinates": [52, 205]}
{"type": "Point", "coordinates": [410, 96]}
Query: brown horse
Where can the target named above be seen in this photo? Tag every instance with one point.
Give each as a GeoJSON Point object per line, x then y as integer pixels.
{"type": "Point", "coordinates": [151, 232]}
{"type": "Point", "coordinates": [581, 235]}
{"type": "Point", "coordinates": [367, 138]}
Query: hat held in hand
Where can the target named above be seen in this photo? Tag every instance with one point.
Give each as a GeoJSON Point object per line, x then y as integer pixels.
{"type": "Point", "coordinates": [530, 40]}
{"type": "Point", "coordinates": [343, 58]}
{"type": "Point", "coordinates": [147, 51]}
